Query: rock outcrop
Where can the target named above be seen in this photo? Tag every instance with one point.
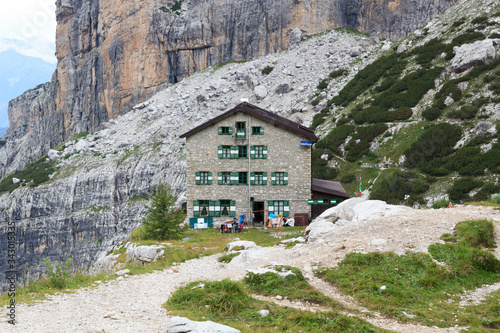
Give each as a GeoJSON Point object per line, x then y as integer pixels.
{"type": "Point", "coordinates": [114, 54]}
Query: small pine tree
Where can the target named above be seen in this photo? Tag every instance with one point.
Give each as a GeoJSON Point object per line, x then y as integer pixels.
{"type": "Point", "coordinates": [164, 220]}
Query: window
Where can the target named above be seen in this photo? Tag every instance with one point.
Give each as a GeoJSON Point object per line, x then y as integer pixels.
{"type": "Point", "coordinates": [279, 208]}
{"type": "Point", "coordinates": [203, 178]}
{"type": "Point", "coordinates": [257, 130]}
{"type": "Point", "coordinates": [224, 151]}
{"type": "Point", "coordinates": [279, 178]}
{"type": "Point", "coordinates": [203, 208]}
{"type": "Point", "coordinates": [242, 178]}
{"type": "Point", "coordinates": [258, 178]}
{"type": "Point", "coordinates": [224, 178]}
{"type": "Point", "coordinates": [225, 207]}
{"type": "Point", "coordinates": [225, 130]}
{"type": "Point", "coordinates": [258, 152]}
{"type": "Point", "coordinates": [241, 130]}
{"type": "Point", "coordinates": [242, 151]}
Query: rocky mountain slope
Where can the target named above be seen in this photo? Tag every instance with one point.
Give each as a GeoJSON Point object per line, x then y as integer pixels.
{"type": "Point", "coordinates": [92, 192]}
{"type": "Point", "coordinates": [423, 119]}
{"type": "Point", "coordinates": [114, 54]}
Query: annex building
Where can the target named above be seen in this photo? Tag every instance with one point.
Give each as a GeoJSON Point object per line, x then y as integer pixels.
{"type": "Point", "coordinates": [248, 160]}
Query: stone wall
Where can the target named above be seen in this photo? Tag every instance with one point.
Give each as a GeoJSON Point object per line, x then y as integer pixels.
{"type": "Point", "coordinates": [285, 154]}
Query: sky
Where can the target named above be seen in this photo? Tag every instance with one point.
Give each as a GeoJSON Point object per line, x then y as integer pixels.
{"type": "Point", "coordinates": [29, 27]}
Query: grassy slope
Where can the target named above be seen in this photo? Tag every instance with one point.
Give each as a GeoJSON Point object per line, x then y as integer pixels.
{"type": "Point", "coordinates": [399, 90]}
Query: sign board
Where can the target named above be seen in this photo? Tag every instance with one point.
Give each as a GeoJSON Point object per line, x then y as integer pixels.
{"type": "Point", "coordinates": [306, 143]}
{"type": "Point", "coordinates": [322, 201]}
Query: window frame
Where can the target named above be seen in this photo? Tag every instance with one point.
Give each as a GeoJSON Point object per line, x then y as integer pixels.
{"type": "Point", "coordinates": [257, 130]}
{"type": "Point", "coordinates": [242, 148]}
{"type": "Point", "coordinates": [242, 175]}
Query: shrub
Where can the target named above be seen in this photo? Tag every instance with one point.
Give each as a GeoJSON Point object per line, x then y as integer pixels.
{"type": "Point", "coordinates": [431, 113]}
{"type": "Point", "coordinates": [320, 168]}
{"type": "Point", "coordinates": [440, 203]}
{"type": "Point", "coordinates": [337, 73]}
{"type": "Point", "coordinates": [163, 219]}
{"type": "Point", "coordinates": [461, 188]}
{"type": "Point", "coordinates": [491, 160]}
{"type": "Point", "coordinates": [467, 161]}
{"type": "Point", "coordinates": [347, 178]}
{"type": "Point", "coordinates": [435, 143]}
{"type": "Point", "coordinates": [392, 188]}
{"type": "Point", "coordinates": [335, 138]}
{"type": "Point", "coordinates": [486, 191]}
{"type": "Point", "coordinates": [267, 70]}
{"type": "Point", "coordinates": [33, 175]}
{"type": "Point", "coordinates": [58, 272]}
{"type": "Point", "coordinates": [228, 257]}
{"type": "Point", "coordinates": [365, 135]}
{"type": "Point", "coordinates": [465, 112]}
{"type": "Point", "coordinates": [476, 233]}
{"type": "Point", "coordinates": [323, 84]}
{"type": "Point", "coordinates": [400, 114]}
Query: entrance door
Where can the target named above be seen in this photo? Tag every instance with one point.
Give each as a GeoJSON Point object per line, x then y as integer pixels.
{"type": "Point", "coordinates": [258, 209]}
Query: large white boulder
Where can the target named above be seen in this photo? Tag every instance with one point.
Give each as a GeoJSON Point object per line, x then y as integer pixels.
{"type": "Point", "coordinates": [349, 211]}
{"type": "Point", "coordinates": [478, 53]}
{"type": "Point", "coordinates": [54, 155]}
{"type": "Point", "coordinates": [144, 254]}
{"type": "Point", "coordinates": [246, 245]}
{"type": "Point", "coordinates": [184, 325]}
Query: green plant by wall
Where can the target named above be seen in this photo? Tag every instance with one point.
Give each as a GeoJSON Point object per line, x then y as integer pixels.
{"type": "Point", "coordinates": [58, 272]}
{"type": "Point", "coordinates": [163, 219]}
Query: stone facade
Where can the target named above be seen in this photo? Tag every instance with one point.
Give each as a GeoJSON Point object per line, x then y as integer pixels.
{"type": "Point", "coordinates": [284, 154]}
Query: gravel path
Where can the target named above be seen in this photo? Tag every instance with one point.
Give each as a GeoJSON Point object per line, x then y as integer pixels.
{"type": "Point", "coordinates": [134, 304]}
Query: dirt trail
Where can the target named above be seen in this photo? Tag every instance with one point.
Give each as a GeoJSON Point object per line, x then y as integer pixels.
{"type": "Point", "coordinates": [134, 304]}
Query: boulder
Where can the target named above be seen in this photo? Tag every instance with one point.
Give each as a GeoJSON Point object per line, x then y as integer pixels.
{"type": "Point", "coordinates": [481, 52]}
{"type": "Point", "coordinates": [184, 325]}
{"type": "Point", "coordinates": [260, 92]}
{"type": "Point", "coordinates": [349, 211]}
{"type": "Point", "coordinates": [144, 254]}
{"type": "Point", "coordinates": [82, 145]}
{"type": "Point", "coordinates": [295, 38]}
{"type": "Point", "coordinates": [246, 245]}
{"type": "Point", "coordinates": [448, 101]}
{"type": "Point", "coordinates": [54, 155]}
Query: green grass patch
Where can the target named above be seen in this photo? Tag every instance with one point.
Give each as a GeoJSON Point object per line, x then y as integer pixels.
{"type": "Point", "coordinates": [228, 257]}
{"type": "Point", "coordinates": [33, 175]}
{"type": "Point", "coordinates": [416, 286]}
{"type": "Point", "coordinates": [228, 302]}
{"type": "Point", "coordinates": [442, 203]}
{"type": "Point", "coordinates": [268, 69]}
{"type": "Point", "coordinates": [293, 286]}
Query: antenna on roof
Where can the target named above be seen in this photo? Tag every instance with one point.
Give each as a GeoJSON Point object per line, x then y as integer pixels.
{"type": "Point", "coordinates": [244, 100]}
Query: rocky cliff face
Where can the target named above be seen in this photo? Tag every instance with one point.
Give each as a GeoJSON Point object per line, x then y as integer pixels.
{"type": "Point", "coordinates": [95, 198]}
{"type": "Point", "coordinates": [114, 54]}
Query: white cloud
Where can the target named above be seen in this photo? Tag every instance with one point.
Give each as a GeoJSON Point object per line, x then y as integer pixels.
{"type": "Point", "coordinates": [29, 27]}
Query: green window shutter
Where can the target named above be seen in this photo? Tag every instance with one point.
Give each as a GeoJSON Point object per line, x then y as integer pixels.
{"type": "Point", "coordinates": [285, 180]}
{"type": "Point", "coordinates": [211, 206]}
{"type": "Point", "coordinates": [273, 178]}
{"type": "Point", "coordinates": [234, 151]}
{"type": "Point", "coordinates": [261, 130]}
{"type": "Point", "coordinates": [219, 178]}
{"type": "Point", "coordinates": [232, 209]}
{"type": "Point", "coordinates": [286, 209]}
{"type": "Point", "coordinates": [196, 208]}
{"type": "Point", "coordinates": [264, 151]}
{"type": "Point", "coordinates": [234, 178]}
{"type": "Point", "coordinates": [264, 178]}
{"type": "Point", "coordinates": [220, 130]}
{"type": "Point", "coordinates": [252, 151]}
{"type": "Point", "coordinates": [210, 178]}
{"type": "Point", "coordinates": [219, 150]}
{"type": "Point", "coordinates": [217, 208]}
{"type": "Point", "coordinates": [198, 178]}
{"type": "Point", "coordinates": [230, 130]}
{"type": "Point", "coordinates": [270, 207]}
{"type": "Point", "coordinates": [252, 178]}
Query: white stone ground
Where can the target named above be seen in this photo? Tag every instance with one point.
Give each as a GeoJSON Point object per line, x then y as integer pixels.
{"type": "Point", "coordinates": [134, 304]}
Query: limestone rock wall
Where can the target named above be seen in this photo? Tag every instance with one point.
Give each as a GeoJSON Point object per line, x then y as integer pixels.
{"type": "Point", "coordinates": [114, 54]}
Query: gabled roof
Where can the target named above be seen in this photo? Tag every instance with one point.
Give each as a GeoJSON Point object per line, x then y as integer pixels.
{"type": "Point", "coordinates": [261, 114]}
{"type": "Point", "coordinates": [329, 187]}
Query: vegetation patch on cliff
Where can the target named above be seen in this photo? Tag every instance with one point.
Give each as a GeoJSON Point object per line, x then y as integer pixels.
{"type": "Point", "coordinates": [33, 175]}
